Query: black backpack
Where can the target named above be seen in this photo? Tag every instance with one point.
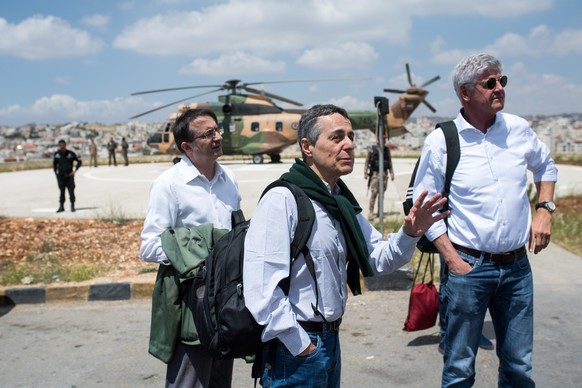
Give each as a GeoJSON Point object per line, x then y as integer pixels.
{"type": "Point", "coordinates": [453, 155]}
{"type": "Point", "coordinates": [225, 326]}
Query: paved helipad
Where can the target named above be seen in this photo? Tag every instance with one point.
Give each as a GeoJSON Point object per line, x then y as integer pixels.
{"type": "Point", "coordinates": [124, 190]}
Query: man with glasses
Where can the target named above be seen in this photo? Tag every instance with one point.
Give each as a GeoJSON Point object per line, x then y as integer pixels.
{"type": "Point", "coordinates": [484, 246]}
{"type": "Point", "coordinates": [193, 192]}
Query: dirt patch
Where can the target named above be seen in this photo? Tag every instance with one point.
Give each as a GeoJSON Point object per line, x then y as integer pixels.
{"type": "Point", "coordinates": [570, 205]}
{"type": "Point", "coordinates": [111, 247]}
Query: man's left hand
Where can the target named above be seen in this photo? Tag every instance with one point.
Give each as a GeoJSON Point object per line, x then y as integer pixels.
{"type": "Point", "coordinates": [422, 215]}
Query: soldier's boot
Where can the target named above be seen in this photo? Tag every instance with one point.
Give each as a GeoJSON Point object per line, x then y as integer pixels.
{"type": "Point", "coordinates": [73, 207]}
{"type": "Point", "coordinates": [61, 208]}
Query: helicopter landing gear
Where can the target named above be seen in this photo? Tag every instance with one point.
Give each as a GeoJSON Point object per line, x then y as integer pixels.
{"type": "Point", "coordinates": [257, 158]}
{"type": "Point", "coordinates": [275, 158]}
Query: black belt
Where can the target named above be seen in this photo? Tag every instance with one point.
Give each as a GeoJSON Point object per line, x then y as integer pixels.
{"type": "Point", "coordinates": [496, 258]}
{"type": "Point", "coordinates": [321, 326]}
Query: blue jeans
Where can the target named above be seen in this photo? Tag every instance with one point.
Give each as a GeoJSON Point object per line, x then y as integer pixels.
{"type": "Point", "coordinates": [321, 368]}
{"type": "Point", "coordinates": [507, 290]}
{"type": "Point", "coordinates": [444, 274]}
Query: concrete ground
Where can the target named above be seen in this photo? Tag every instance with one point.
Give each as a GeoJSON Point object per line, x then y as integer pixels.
{"type": "Point", "coordinates": [104, 344]}
{"type": "Point", "coordinates": [98, 343]}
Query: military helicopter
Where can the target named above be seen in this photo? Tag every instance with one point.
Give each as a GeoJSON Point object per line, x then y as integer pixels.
{"type": "Point", "coordinates": [254, 125]}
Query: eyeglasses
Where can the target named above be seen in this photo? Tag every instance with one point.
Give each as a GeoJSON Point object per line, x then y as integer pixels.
{"type": "Point", "coordinates": [492, 82]}
{"type": "Point", "coordinates": [210, 133]}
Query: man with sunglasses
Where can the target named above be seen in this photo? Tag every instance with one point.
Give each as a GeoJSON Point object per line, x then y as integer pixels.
{"type": "Point", "coordinates": [195, 191]}
{"type": "Point", "coordinates": [490, 225]}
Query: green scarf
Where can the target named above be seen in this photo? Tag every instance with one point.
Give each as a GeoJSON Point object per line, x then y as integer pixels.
{"type": "Point", "coordinates": [343, 208]}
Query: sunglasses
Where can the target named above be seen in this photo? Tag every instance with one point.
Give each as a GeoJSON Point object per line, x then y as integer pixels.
{"type": "Point", "coordinates": [492, 82]}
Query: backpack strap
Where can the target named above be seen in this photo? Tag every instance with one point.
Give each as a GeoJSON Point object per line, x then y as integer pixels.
{"type": "Point", "coordinates": [236, 217]}
{"type": "Point", "coordinates": [305, 213]}
{"type": "Point", "coordinates": [453, 154]}
{"type": "Point", "coordinates": [306, 218]}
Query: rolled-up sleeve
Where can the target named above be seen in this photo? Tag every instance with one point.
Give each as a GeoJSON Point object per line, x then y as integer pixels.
{"type": "Point", "coordinates": [539, 161]}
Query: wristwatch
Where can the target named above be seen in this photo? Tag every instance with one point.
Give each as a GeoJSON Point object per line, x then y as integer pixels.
{"type": "Point", "coordinates": [548, 205]}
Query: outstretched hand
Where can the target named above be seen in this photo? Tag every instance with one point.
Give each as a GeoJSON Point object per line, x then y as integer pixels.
{"type": "Point", "coordinates": [422, 215]}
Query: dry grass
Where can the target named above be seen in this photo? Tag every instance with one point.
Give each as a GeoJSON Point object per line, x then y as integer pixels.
{"type": "Point", "coordinates": [45, 251]}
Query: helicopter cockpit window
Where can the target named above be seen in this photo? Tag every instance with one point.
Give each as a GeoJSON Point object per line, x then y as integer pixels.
{"type": "Point", "coordinates": [279, 126]}
{"type": "Point", "coordinates": [254, 126]}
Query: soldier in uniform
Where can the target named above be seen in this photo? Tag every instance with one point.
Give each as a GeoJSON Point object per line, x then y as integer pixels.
{"type": "Point", "coordinates": [63, 161]}
{"type": "Point", "coordinates": [111, 146]}
{"type": "Point", "coordinates": [92, 153]}
{"type": "Point", "coordinates": [124, 148]}
{"type": "Point", "coordinates": [371, 168]}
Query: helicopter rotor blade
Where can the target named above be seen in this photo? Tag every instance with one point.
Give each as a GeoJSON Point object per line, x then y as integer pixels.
{"type": "Point", "coordinates": [429, 106]}
{"type": "Point", "coordinates": [430, 81]}
{"type": "Point", "coordinates": [304, 80]}
{"type": "Point", "coordinates": [271, 95]}
{"type": "Point", "coordinates": [180, 88]}
{"type": "Point", "coordinates": [173, 103]}
{"type": "Point", "coordinates": [408, 75]}
{"type": "Point", "coordinates": [395, 91]}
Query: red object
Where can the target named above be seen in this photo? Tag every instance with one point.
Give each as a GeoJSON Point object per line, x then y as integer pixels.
{"type": "Point", "coordinates": [423, 306]}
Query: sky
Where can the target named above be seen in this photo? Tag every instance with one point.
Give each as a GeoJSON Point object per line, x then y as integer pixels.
{"type": "Point", "coordinates": [66, 61]}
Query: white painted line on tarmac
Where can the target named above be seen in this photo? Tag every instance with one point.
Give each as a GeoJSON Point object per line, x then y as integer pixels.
{"type": "Point", "coordinates": [44, 210]}
{"type": "Point", "coordinates": [54, 210]}
{"type": "Point", "coordinates": [91, 176]}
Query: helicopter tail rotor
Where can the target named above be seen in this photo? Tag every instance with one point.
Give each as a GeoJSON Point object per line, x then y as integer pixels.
{"type": "Point", "coordinates": [414, 90]}
{"type": "Point", "coordinates": [408, 75]}
{"type": "Point", "coordinates": [430, 81]}
{"type": "Point", "coordinates": [429, 106]}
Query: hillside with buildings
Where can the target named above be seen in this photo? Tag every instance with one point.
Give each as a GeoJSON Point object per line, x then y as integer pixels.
{"type": "Point", "coordinates": [39, 141]}
{"type": "Point", "coordinates": [562, 134]}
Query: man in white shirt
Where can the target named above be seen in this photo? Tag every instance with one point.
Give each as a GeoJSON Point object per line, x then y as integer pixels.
{"type": "Point", "coordinates": [489, 225]}
{"type": "Point", "coordinates": [301, 329]}
{"type": "Point", "coordinates": [195, 191]}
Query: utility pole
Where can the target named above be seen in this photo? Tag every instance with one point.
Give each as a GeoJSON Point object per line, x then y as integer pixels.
{"type": "Point", "coordinates": [382, 107]}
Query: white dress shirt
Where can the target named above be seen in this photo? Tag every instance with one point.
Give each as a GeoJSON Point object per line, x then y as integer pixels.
{"type": "Point", "coordinates": [182, 197]}
{"type": "Point", "coordinates": [267, 260]}
{"type": "Point", "coordinates": [489, 204]}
